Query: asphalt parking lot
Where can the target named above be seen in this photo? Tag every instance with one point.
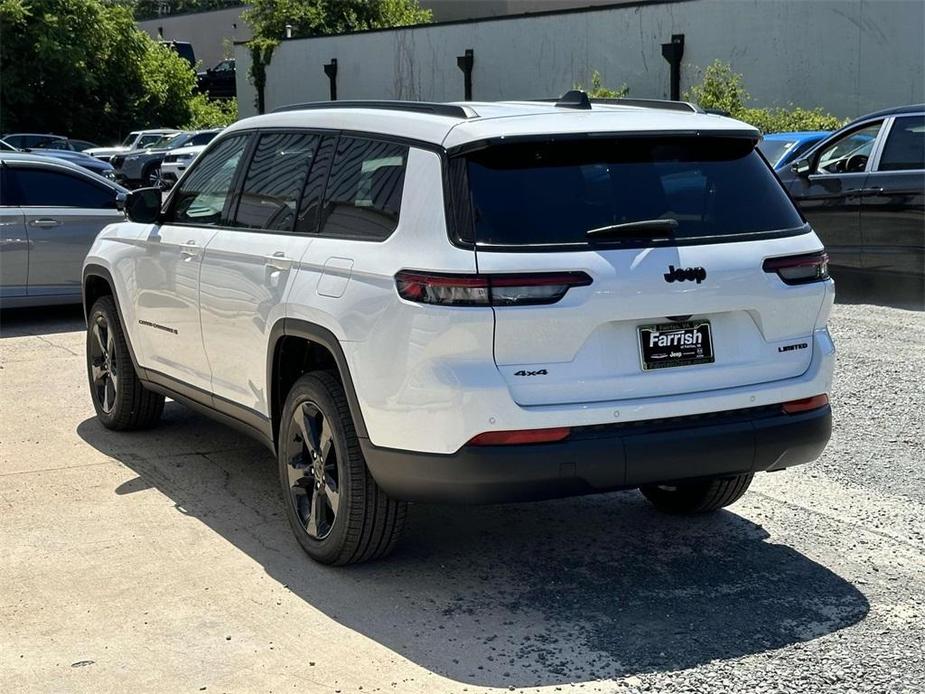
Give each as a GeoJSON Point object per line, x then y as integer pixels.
{"type": "Point", "coordinates": [161, 561]}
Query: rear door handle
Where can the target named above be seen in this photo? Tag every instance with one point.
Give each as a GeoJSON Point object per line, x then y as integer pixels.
{"type": "Point", "coordinates": [190, 249]}
{"type": "Point", "coordinates": [44, 222]}
{"type": "Point", "coordinates": [278, 261]}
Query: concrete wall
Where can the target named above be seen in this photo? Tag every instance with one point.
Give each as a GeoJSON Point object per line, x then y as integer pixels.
{"type": "Point", "coordinates": [209, 32]}
{"type": "Point", "coordinates": [850, 57]}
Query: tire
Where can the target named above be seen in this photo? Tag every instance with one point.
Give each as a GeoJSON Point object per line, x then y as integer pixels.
{"type": "Point", "coordinates": [336, 510]}
{"type": "Point", "coordinates": [121, 402]}
{"type": "Point", "coordinates": [152, 177]}
{"type": "Point", "coordinates": [701, 496]}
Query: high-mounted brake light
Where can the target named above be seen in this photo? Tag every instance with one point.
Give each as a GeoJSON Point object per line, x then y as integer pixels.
{"type": "Point", "coordinates": [520, 436]}
{"type": "Point", "coordinates": [805, 404]}
{"type": "Point", "coordinates": [487, 290]}
{"type": "Point", "coordinates": [800, 269]}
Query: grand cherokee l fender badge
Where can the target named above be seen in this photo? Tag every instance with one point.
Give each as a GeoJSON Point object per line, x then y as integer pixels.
{"type": "Point", "coordinates": [158, 326]}
{"type": "Point", "coordinates": [682, 274]}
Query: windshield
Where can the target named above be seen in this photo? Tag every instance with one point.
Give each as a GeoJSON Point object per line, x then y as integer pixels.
{"type": "Point", "coordinates": [170, 141]}
{"type": "Point", "coordinates": [130, 138]}
{"type": "Point", "coordinates": [775, 150]}
{"type": "Point", "coordinates": [554, 192]}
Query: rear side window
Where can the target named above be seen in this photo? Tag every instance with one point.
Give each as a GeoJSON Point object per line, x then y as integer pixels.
{"type": "Point", "coordinates": [203, 192]}
{"type": "Point", "coordinates": [553, 193]}
{"type": "Point", "coordinates": [363, 195]}
{"type": "Point", "coordinates": [274, 180]}
{"type": "Point", "coordinates": [905, 146]}
{"type": "Point", "coordinates": [35, 187]}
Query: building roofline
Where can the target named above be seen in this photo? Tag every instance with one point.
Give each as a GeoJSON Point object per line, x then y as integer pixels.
{"type": "Point", "coordinates": [495, 18]}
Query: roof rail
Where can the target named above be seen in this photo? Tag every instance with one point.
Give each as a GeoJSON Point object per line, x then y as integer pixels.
{"type": "Point", "coordinates": [662, 104]}
{"type": "Point", "coordinates": [437, 109]}
{"type": "Point", "coordinates": [578, 99]}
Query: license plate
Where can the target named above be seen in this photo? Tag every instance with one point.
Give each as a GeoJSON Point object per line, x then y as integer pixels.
{"type": "Point", "coordinates": [675, 344]}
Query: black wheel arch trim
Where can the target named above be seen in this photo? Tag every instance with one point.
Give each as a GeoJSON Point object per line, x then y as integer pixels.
{"type": "Point", "coordinates": [312, 332]}
{"type": "Point", "coordinates": [94, 270]}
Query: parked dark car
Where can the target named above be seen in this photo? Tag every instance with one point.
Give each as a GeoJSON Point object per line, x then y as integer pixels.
{"type": "Point", "coordinates": [46, 141]}
{"type": "Point", "coordinates": [97, 166]}
{"type": "Point", "coordinates": [863, 191]}
{"type": "Point", "coordinates": [184, 49]}
{"type": "Point", "coordinates": [218, 82]}
{"type": "Point", "coordinates": [143, 166]}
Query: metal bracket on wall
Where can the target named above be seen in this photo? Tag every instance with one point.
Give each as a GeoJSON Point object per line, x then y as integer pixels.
{"type": "Point", "coordinates": [673, 52]}
{"type": "Point", "coordinates": [330, 70]}
{"type": "Point", "coordinates": [464, 63]}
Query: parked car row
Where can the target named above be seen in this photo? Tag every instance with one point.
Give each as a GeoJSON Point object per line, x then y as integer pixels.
{"type": "Point", "coordinates": [143, 167]}
{"type": "Point", "coordinates": [47, 148]}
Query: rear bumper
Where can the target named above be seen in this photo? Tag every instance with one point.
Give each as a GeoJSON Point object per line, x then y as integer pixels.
{"type": "Point", "coordinates": [604, 458]}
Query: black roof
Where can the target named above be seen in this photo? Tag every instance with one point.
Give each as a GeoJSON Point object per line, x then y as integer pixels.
{"type": "Point", "coordinates": [894, 111]}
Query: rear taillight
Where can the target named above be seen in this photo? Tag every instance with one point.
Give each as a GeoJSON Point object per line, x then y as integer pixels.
{"type": "Point", "coordinates": [520, 436]}
{"type": "Point", "coordinates": [800, 269]}
{"type": "Point", "coordinates": [487, 290]}
{"type": "Point", "coordinates": [805, 404]}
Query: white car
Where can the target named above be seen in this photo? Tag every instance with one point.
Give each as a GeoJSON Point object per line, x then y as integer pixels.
{"type": "Point", "coordinates": [137, 139]}
{"type": "Point", "coordinates": [176, 161]}
{"type": "Point", "coordinates": [473, 302]}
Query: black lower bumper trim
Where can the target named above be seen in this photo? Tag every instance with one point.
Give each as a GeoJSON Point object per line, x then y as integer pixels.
{"type": "Point", "coordinates": [599, 459]}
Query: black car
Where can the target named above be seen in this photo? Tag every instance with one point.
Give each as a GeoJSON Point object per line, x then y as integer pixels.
{"type": "Point", "coordinates": [863, 191]}
{"type": "Point", "coordinates": [218, 81]}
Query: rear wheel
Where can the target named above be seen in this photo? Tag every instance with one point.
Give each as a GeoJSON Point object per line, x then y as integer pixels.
{"type": "Point", "coordinates": [336, 510]}
{"type": "Point", "coordinates": [700, 496]}
{"type": "Point", "coordinates": [120, 400]}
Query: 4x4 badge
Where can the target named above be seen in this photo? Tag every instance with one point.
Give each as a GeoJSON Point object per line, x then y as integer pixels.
{"type": "Point", "coordinates": [682, 274]}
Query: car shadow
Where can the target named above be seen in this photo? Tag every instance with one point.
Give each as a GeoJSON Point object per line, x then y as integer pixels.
{"type": "Point", "coordinates": [510, 595]}
{"type": "Point", "coordinates": [44, 320]}
{"type": "Point", "coordinates": [881, 290]}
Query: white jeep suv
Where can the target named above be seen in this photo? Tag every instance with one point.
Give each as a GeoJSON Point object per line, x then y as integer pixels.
{"type": "Point", "coordinates": [474, 302]}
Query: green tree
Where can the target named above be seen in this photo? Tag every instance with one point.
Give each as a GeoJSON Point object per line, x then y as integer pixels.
{"type": "Point", "coordinates": [81, 68]}
{"type": "Point", "coordinates": [723, 89]}
{"type": "Point", "coordinates": [599, 91]}
{"type": "Point", "coordinates": [269, 18]}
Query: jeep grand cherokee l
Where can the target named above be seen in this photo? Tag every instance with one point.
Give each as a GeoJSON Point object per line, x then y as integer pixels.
{"type": "Point", "coordinates": [472, 303]}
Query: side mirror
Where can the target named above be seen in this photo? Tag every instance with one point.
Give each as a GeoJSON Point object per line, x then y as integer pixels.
{"type": "Point", "coordinates": [143, 205]}
{"type": "Point", "coordinates": [801, 167]}
{"type": "Point", "coordinates": [120, 201]}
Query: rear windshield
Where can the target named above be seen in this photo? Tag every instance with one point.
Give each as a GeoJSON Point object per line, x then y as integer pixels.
{"type": "Point", "coordinates": [552, 193]}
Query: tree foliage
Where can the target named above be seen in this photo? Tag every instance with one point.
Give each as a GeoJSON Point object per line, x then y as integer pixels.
{"type": "Point", "coordinates": [211, 113]}
{"type": "Point", "coordinates": [599, 91]}
{"type": "Point", "coordinates": [269, 18]}
{"type": "Point", "coordinates": [81, 68]}
{"type": "Point", "coordinates": [723, 89]}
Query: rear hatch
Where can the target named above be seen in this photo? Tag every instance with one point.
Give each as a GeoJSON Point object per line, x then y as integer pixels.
{"type": "Point", "coordinates": [679, 303]}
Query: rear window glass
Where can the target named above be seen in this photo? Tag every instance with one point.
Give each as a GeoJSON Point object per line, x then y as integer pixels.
{"type": "Point", "coordinates": [553, 193]}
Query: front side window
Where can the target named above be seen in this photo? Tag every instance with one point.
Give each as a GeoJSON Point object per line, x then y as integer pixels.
{"type": "Point", "coordinates": [554, 193]}
{"type": "Point", "coordinates": [849, 154]}
{"type": "Point", "coordinates": [905, 146]}
{"type": "Point", "coordinates": [201, 196]}
{"type": "Point", "coordinates": [274, 181]}
{"type": "Point", "coordinates": [363, 195]}
{"type": "Point", "coordinates": [35, 187]}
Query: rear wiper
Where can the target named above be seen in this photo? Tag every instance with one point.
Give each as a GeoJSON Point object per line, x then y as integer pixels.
{"type": "Point", "coordinates": [632, 229]}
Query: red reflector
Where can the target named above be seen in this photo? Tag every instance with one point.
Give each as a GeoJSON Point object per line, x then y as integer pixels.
{"type": "Point", "coordinates": [510, 438]}
{"type": "Point", "coordinates": [806, 404]}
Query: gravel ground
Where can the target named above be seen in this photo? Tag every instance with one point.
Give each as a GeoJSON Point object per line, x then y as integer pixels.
{"type": "Point", "coordinates": [164, 562]}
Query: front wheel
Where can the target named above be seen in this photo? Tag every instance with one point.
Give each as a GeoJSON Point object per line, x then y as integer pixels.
{"type": "Point", "coordinates": [153, 177]}
{"type": "Point", "coordinates": [120, 400]}
{"type": "Point", "coordinates": [336, 510]}
{"type": "Point", "coordinates": [700, 496]}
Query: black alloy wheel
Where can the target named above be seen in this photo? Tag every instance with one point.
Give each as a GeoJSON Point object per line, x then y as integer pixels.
{"type": "Point", "coordinates": [314, 489]}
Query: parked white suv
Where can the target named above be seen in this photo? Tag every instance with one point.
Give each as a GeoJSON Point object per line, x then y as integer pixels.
{"type": "Point", "coordinates": [471, 303]}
